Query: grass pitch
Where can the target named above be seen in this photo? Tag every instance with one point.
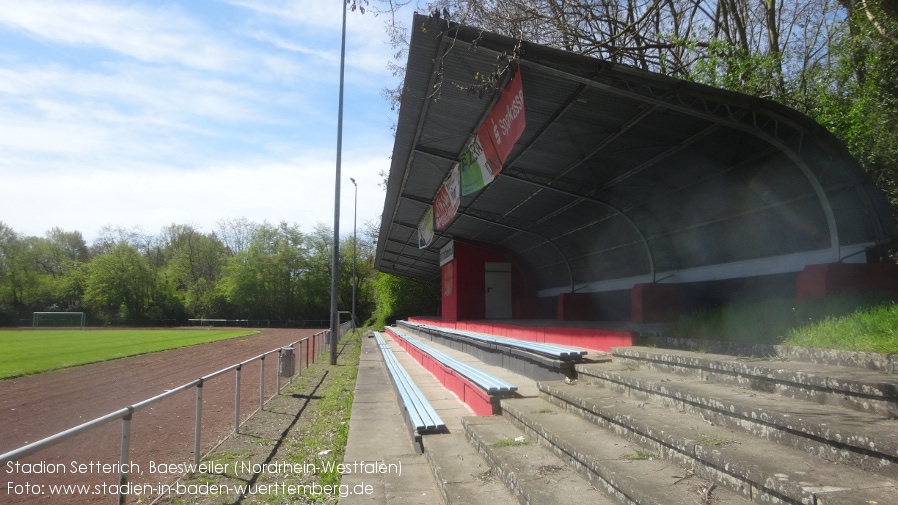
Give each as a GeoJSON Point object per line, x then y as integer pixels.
{"type": "Point", "coordinates": [26, 352]}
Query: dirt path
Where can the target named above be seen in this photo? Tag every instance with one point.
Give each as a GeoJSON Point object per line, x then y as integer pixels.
{"type": "Point", "coordinates": [34, 407]}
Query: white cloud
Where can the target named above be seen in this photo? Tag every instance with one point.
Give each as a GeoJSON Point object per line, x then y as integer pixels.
{"type": "Point", "coordinates": [160, 34]}
{"type": "Point", "coordinates": [154, 196]}
{"type": "Point", "coordinates": [366, 45]}
{"type": "Point", "coordinates": [158, 113]}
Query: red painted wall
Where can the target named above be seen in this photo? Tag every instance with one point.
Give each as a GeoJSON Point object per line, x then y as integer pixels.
{"type": "Point", "coordinates": [587, 338]}
{"type": "Point", "coordinates": [652, 303]}
{"type": "Point", "coordinates": [464, 284]}
{"type": "Point", "coordinates": [817, 281]}
{"type": "Point", "coordinates": [469, 393]}
{"type": "Point", "coordinates": [449, 290]}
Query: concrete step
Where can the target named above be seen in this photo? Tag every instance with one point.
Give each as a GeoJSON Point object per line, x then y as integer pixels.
{"type": "Point", "coordinates": [844, 386]}
{"type": "Point", "coordinates": [731, 458]}
{"type": "Point", "coordinates": [886, 363]}
{"type": "Point", "coordinates": [531, 473]}
{"type": "Point", "coordinates": [625, 471]}
{"type": "Point", "coordinates": [865, 440]}
{"type": "Point", "coordinates": [462, 476]}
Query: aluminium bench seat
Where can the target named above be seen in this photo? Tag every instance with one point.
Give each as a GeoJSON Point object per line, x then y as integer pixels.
{"type": "Point", "coordinates": [486, 381]}
{"type": "Point", "coordinates": [417, 411]}
{"type": "Point", "coordinates": [555, 351]}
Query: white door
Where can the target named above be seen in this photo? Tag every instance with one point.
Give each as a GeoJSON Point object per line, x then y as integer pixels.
{"type": "Point", "coordinates": [498, 290]}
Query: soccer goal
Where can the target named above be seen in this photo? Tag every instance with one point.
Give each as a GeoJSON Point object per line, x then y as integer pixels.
{"type": "Point", "coordinates": [58, 320]}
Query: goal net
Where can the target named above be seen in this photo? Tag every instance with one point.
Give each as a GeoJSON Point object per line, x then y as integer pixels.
{"type": "Point", "coordinates": [58, 320]}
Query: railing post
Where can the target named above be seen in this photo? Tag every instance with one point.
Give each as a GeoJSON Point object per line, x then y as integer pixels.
{"type": "Point", "coordinates": [277, 383]}
{"type": "Point", "coordinates": [237, 403]}
{"type": "Point", "coordinates": [124, 457]}
{"type": "Point", "coordinates": [262, 384]}
{"type": "Point", "coordinates": [199, 423]}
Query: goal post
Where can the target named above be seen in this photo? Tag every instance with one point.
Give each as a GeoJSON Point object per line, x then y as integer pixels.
{"type": "Point", "coordinates": [43, 320]}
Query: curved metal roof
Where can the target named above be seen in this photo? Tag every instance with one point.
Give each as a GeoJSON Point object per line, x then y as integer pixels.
{"type": "Point", "coordinates": [622, 175]}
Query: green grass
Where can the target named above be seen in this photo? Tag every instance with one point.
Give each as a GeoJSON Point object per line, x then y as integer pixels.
{"type": "Point", "coordinates": [856, 323]}
{"type": "Point", "coordinates": [328, 430]}
{"type": "Point", "coordinates": [28, 352]}
{"type": "Point", "coordinates": [640, 455]}
{"type": "Point", "coordinates": [308, 422]}
{"type": "Point", "coordinates": [873, 329]}
{"type": "Point", "coordinates": [508, 442]}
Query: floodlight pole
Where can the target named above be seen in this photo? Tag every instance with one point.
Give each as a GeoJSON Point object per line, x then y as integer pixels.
{"type": "Point", "coordinates": [355, 213]}
{"type": "Point", "coordinates": [335, 264]}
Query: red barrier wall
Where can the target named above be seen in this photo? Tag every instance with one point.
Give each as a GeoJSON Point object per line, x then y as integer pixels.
{"type": "Point", "coordinates": [653, 303]}
{"type": "Point", "coordinates": [587, 338]}
{"type": "Point", "coordinates": [817, 281]}
{"type": "Point", "coordinates": [469, 393]}
{"type": "Point", "coordinates": [573, 307]}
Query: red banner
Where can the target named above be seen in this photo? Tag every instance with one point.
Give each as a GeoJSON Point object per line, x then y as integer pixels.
{"type": "Point", "coordinates": [448, 198]}
{"type": "Point", "coordinates": [481, 161]}
{"type": "Point", "coordinates": [505, 123]}
{"type": "Point", "coordinates": [485, 156]}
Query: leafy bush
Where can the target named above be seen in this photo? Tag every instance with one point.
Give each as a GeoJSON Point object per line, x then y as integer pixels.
{"type": "Point", "coordinates": [401, 297]}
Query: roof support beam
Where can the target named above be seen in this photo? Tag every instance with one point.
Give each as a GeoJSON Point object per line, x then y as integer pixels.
{"type": "Point", "coordinates": [436, 153]}
{"type": "Point", "coordinates": [672, 101]}
{"type": "Point", "coordinates": [730, 121]}
{"type": "Point", "coordinates": [418, 128]}
{"type": "Point", "coordinates": [471, 215]}
{"type": "Point", "coordinates": [645, 243]}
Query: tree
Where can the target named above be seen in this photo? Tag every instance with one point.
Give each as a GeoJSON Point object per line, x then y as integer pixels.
{"type": "Point", "coordinates": [236, 234]}
{"type": "Point", "coordinates": [120, 284]}
{"type": "Point", "coordinates": [401, 297]}
{"type": "Point", "coordinates": [14, 273]}
{"type": "Point", "coordinates": [859, 102]}
{"type": "Point", "coordinates": [194, 263]}
{"type": "Point", "coordinates": [263, 282]}
{"type": "Point", "coordinates": [882, 15]}
{"type": "Point", "coordinates": [58, 260]}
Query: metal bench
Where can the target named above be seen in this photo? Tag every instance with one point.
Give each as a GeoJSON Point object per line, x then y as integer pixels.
{"type": "Point", "coordinates": [489, 383]}
{"type": "Point", "coordinates": [419, 415]}
{"type": "Point", "coordinates": [555, 351]}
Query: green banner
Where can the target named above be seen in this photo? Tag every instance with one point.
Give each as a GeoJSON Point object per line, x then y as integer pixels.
{"type": "Point", "coordinates": [475, 171]}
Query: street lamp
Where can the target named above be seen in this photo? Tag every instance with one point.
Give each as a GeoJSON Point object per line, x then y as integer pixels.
{"type": "Point", "coordinates": [335, 262]}
{"type": "Point", "coordinates": [355, 208]}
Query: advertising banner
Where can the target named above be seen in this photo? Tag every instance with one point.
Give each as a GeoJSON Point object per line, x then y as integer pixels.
{"type": "Point", "coordinates": [506, 119]}
{"type": "Point", "coordinates": [475, 171]}
{"type": "Point", "coordinates": [484, 157]}
{"type": "Point", "coordinates": [448, 198]}
{"type": "Point", "coordinates": [481, 160]}
{"type": "Point", "coordinates": [425, 229]}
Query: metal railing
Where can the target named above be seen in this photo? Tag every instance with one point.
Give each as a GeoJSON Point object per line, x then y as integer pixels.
{"type": "Point", "coordinates": [305, 349]}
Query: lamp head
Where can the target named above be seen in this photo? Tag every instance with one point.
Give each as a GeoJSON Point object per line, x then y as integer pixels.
{"type": "Point", "coordinates": [353, 181]}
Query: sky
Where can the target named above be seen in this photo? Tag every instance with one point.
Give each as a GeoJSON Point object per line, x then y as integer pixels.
{"type": "Point", "coordinates": [144, 114]}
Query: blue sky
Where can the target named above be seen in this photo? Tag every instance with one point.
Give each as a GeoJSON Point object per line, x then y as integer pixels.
{"type": "Point", "coordinates": [144, 114]}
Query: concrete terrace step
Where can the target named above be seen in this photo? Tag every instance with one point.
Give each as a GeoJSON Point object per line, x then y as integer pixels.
{"type": "Point", "coordinates": [844, 386]}
{"type": "Point", "coordinates": [623, 470]}
{"type": "Point", "coordinates": [463, 477]}
{"type": "Point", "coordinates": [862, 439]}
{"type": "Point", "coordinates": [760, 471]}
{"type": "Point", "coordinates": [531, 473]}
